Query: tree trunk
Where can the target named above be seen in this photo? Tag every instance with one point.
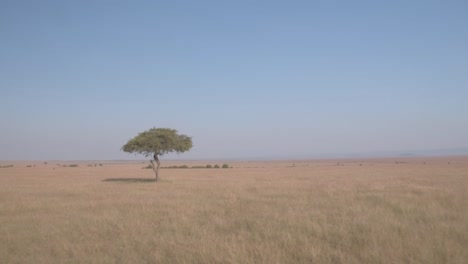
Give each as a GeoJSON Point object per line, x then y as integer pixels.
{"type": "Point", "coordinates": [156, 168]}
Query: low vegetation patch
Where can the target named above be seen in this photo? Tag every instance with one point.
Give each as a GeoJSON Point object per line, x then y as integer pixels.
{"type": "Point", "coordinates": [71, 166]}
{"type": "Point", "coordinates": [6, 166]}
{"type": "Point", "coordinates": [176, 167]}
{"type": "Point", "coordinates": [208, 166]}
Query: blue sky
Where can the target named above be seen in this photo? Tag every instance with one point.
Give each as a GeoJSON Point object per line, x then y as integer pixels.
{"type": "Point", "coordinates": [245, 79]}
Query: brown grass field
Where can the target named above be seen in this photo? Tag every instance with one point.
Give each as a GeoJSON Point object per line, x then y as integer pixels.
{"type": "Point", "coordinates": [401, 210]}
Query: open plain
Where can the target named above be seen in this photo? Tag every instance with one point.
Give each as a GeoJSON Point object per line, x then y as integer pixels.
{"type": "Point", "coordinates": [399, 210]}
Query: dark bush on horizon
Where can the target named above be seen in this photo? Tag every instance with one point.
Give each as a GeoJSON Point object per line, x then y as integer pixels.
{"type": "Point", "coordinates": [148, 167]}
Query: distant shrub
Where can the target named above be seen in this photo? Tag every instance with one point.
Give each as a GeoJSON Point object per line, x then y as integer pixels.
{"type": "Point", "coordinates": [148, 167]}
{"type": "Point", "coordinates": [100, 164]}
{"type": "Point", "coordinates": [225, 166]}
{"type": "Point", "coordinates": [90, 165]}
{"type": "Point", "coordinates": [208, 166]}
{"type": "Point", "coordinates": [6, 166]}
{"type": "Point", "coordinates": [176, 167]}
{"type": "Point", "coordinates": [198, 167]}
{"type": "Point", "coordinates": [216, 166]}
{"type": "Point", "coordinates": [73, 165]}
{"type": "Point", "coordinates": [45, 162]}
{"type": "Point", "coordinates": [29, 166]}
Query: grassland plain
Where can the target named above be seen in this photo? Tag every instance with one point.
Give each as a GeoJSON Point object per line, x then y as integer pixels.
{"type": "Point", "coordinates": [318, 211]}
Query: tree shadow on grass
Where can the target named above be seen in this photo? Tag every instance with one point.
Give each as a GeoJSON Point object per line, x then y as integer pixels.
{"type": "Point", "coordinates": [130, 180]}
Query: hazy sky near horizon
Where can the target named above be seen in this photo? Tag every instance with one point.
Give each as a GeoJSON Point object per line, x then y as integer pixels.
{"type": "Point", "coordinates": [243, 78]}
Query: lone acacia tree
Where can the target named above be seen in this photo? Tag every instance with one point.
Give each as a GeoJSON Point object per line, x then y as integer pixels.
{"type": "Point", "coordinates": [156, 142]}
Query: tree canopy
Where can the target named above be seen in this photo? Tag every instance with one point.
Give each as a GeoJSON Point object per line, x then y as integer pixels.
{"type": "Point", "coordinates": [158, 141]}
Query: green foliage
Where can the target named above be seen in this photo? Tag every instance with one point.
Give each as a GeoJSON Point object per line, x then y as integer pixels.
{"type": "Point", "coordinates": [158, 141]}
{"type": "Point", "coordinates": [225, 166]}
{"type": "Point", "coordinates": [208, 166]}
{"type": "Point", "coordinates": [216, 166]}
{"type": "Point", "coordinates": [177, 167]}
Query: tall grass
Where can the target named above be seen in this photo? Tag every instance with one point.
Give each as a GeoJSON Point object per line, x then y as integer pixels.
{"type": "Point", "coordinates": [385, 213]}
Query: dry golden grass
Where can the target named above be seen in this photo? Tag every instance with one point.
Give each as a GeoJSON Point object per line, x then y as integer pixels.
{"type": "Point", "coordinates": [257, 212]}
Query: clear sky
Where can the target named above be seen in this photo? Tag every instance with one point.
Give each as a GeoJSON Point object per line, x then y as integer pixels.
{"type": "Point", "coordinates": [243, 78]}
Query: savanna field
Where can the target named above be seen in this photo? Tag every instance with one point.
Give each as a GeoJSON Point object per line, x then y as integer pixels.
{"type": "Point", "coordinates": [401, 210]}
